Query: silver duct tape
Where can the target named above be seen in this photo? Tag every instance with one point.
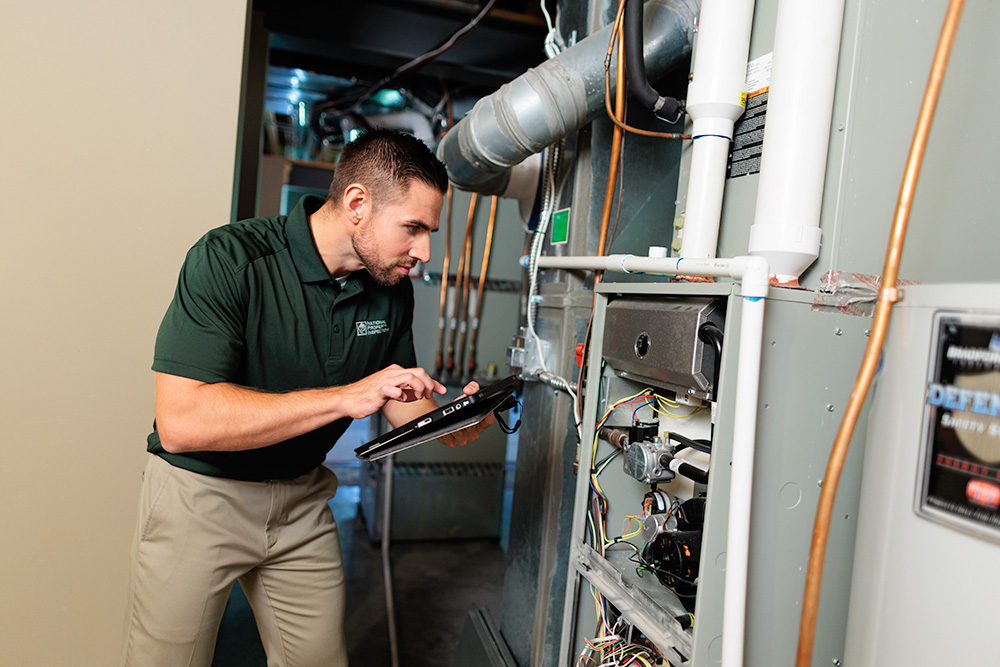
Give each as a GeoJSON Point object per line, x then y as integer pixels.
{"type": "Point", "coordinates": [850, 293]}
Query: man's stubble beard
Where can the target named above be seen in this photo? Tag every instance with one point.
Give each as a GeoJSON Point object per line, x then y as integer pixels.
{"type": "Point", "coordinates": [364, 247]}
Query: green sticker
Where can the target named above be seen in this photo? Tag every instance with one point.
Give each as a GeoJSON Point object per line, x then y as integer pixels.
{"type": "Point", "coordinates": [560, 226]}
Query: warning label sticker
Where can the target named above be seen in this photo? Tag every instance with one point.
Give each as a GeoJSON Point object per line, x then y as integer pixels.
{"type": "Point", "coordinates": [748, 134]}
{"type": "Point", "coordinates": [962, 442]}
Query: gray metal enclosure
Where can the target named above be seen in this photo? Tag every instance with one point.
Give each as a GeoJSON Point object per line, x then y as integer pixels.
{"type": "Point", "coordinates": [812, 342]}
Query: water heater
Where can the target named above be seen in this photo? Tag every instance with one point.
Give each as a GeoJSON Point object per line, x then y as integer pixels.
{"type": "Point", "coordinates": [925, 588]}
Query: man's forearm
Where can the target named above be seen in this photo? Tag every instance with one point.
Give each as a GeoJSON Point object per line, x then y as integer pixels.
{"type": "Point", "coordinates": [227, 417]}
{"type": "Point", "coordinates": [198, 416]}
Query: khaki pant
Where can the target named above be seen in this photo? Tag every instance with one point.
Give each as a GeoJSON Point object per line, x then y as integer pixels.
{"type": "Point", "coordinates": [197, 534]}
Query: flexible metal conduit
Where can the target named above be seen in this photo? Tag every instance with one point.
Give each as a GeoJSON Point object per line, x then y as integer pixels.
{"type": "Point", "coordinates": [553, 100]}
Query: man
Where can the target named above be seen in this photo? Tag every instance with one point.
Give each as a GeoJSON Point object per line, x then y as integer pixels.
{"type": "Point", "coordinates": [280, 332]}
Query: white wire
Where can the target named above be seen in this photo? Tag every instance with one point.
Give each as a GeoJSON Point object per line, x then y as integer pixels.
{"type": "Point", "coordinates": [386, 571]}
{"type": "Point", "coordinates": [553, 42]}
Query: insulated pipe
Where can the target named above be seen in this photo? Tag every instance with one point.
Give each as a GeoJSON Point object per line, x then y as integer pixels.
{"type": "Point", "coordinates": [753, 272]}
{"type": "Point", "coordinates": [664, 107]}
{"type": "Point", "coordinates": [797, 136]}
{"type": "Point", "coordinates": [716, 98]}
{"type": "Point", "coordinates": [555, 99]}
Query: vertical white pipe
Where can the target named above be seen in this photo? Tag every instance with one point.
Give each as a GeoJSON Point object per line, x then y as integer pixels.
{"type": "Point", "coordinates": [797, 135]}
{"type": "Point", "coordinates": [716, 98]}
{"type": "Point", "coordinates": [753, 273]}
{"type": "Point", "coordinates": [741, 484]}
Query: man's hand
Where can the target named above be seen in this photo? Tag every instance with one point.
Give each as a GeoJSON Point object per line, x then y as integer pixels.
{"type": "Point", "coordinates": [394, 383]}
{"type": "Point", "coordinates": [469, 433]}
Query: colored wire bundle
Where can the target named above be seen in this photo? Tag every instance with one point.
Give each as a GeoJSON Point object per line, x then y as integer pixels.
{"type": "Point", "coordinates": [615, 649]}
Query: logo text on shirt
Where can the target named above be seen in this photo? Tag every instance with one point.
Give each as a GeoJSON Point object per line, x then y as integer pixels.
{"type": "Point", "coordinates": [372, 327]}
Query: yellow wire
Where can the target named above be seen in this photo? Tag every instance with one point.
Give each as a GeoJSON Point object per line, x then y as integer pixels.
{"type": "Point", "coordinates": [645, 392]}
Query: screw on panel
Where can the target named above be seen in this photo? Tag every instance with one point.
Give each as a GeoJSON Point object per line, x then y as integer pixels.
{"type": "Point", "coordinates": [829, 407]}
{"type": "Point", "coordinates": [838, 332]}
{"type": "Point", "coordinates": [868, 332]}
{"type": "Point", "coordinates": [836, 662]}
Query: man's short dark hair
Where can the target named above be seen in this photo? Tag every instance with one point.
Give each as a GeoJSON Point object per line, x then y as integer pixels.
{"type": "Point", "coordinates": [386, 162]}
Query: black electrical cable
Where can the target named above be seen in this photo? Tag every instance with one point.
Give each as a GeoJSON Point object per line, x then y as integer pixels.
{"type": "Point", "coordinates": [686, 442]}
{"type": "Point", "coordinates": [693, 473]}
{"type": "Point", "coordinates": [711, 334]}
{"type": "Point", "coordinates": [666, 108]}
{"type": "Point", "coordinates": [459, 35]}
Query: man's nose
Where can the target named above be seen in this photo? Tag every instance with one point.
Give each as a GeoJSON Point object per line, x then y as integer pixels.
{"type": "Point", "coordinates": [421, 250]}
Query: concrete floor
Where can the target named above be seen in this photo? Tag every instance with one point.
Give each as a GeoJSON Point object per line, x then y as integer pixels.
{"type": "Point", "coordinates": [436, 585]}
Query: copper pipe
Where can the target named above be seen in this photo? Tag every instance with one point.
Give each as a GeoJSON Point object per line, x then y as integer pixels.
{"type": "Point", "coordinates": [482, 284]}
{"type": "Point", "coordinates": [439, 362]}
{"type": "Point", "coordinates": [463, 316]}
{"type": "Point", "coordinates": [616, 137]}
{"type": "Point", "coordinates": [458, 284]}
{"type": "Point", "coordinates": [886, 297]}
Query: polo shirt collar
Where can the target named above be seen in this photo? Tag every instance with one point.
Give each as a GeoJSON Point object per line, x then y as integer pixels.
{"type": "Point", "coordinates": [305, 256]}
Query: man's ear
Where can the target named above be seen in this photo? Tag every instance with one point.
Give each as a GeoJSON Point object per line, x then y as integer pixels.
{"type": "Point", "coordinates": [357, 203]}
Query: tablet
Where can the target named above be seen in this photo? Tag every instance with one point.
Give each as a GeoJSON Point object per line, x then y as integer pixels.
{"type": "Point", "coordinates": [460, 413]}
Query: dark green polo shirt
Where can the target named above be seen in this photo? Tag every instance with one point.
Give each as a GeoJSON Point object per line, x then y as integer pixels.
{"type": "Point", "coordinates": [255, 306]}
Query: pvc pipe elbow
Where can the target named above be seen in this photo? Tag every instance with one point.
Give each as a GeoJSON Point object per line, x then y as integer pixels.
{"type": "Point", "coordinates": [753, 273]}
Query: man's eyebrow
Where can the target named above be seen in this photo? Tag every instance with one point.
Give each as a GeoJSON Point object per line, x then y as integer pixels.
{"type": "Point", "coordinates": [421, 224]}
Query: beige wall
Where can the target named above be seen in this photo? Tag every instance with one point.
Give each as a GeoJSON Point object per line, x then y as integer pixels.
{"type": "Point", "coordinates": [117, 141]}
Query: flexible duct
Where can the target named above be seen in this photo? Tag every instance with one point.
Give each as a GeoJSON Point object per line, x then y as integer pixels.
{"type": "Point", "coordinates": [549, 102]}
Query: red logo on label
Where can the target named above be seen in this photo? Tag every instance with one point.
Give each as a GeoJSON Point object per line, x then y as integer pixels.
{"type": "Point", "coordinates": [983, 493]}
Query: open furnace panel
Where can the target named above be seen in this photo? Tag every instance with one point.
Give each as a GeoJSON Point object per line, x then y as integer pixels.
{"type": "Point", "coordinates": [645, 479]}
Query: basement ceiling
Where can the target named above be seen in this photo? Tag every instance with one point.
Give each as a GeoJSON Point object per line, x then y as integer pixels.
{"type": "Point", "coordinates": [343, 47]}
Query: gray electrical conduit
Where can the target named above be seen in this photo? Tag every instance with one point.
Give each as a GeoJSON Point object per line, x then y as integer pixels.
{"type": "Point", "coordinates": [555, 99]}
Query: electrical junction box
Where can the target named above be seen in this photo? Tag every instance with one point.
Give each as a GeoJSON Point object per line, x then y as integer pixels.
{"type": "Point", "coordinates": [657, 341]}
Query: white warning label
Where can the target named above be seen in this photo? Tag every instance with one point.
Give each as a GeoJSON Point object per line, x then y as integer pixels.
{"type": "Point", "coordinates": [748, 134]}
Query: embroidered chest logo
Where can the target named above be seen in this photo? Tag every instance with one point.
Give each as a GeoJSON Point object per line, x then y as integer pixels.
{"type": "Point", "coordinates": [372, 327]}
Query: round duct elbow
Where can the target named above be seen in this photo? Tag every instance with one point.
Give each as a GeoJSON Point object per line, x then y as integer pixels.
{"type": "Point", "coordinates": [549, 102]}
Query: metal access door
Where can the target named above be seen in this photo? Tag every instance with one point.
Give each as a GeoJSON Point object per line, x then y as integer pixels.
{"type": "Point", "coordinates": [925, 586]}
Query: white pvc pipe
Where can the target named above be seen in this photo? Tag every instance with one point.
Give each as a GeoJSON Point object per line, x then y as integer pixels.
{"type": "Point", "coordinates": [753, 273]}
{"type": "Point", "coordinates": [734, 609]}
{"type": "Point", "coordinates": [797, 135]}
{"type": "Point", "coordinates": [716, 97]}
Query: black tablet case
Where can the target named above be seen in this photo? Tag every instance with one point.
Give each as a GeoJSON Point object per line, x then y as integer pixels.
{"type": "Point", "coordinates": [460, 413]}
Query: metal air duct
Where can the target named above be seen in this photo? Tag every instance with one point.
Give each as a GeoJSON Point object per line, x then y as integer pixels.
{"type": "Point", "coordinates": [558, 97]}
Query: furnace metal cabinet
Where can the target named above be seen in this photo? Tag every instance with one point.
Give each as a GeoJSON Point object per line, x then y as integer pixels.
{"type": "Point", "coordinates": [809, 360]}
